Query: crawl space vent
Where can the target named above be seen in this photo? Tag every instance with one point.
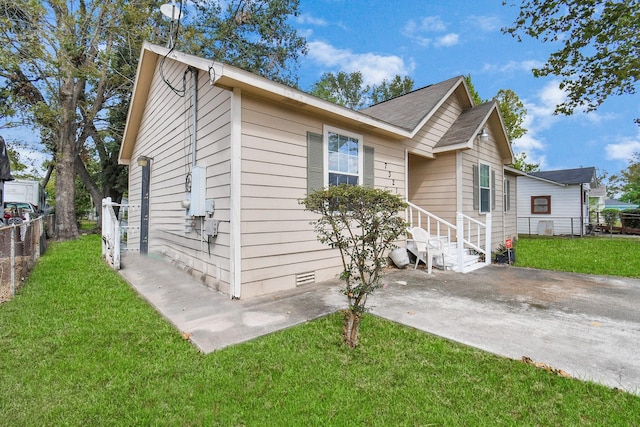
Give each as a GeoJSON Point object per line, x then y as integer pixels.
{"type": "Point", "coordinates": [305, 278]}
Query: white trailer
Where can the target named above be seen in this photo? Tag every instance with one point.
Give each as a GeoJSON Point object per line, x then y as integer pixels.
{"type": "Point", "coordinates": [21, 190]}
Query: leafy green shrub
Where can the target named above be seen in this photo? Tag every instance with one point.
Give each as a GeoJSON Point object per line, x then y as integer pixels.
{"type": "Point", "coordinates": [363, 224]}
{"type": "Point", "coordinates": [610, 216]}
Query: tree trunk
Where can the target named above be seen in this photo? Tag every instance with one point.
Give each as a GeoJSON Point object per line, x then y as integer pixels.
{"type": "Point", "coordinates": [66, 222]}
{"type": "Point", "coordinates": [92, 188]}
{"type": "Point", "coordinates": [351, 327]}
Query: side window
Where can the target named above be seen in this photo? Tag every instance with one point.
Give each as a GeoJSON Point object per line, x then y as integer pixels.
{"type": "Point", "coordinates": [507, 195]}
{"type": "Point", "coordinates": [540, 204]}
{"type": "Point", "coordinates": [344, 154]}
{"type": "Point", "coordinates": [484, 188]}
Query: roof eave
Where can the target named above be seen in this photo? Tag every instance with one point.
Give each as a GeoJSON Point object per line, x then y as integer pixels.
{"type": "Point", "coordinates": [226, 76]}
{"type": "Point", "coordinates": [546, 180]}
{"type": "Point", "coordinates": [468, 145]}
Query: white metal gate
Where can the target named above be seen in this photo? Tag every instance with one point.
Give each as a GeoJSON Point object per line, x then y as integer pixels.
{"type": "Point", "coordinates": [116, 231]}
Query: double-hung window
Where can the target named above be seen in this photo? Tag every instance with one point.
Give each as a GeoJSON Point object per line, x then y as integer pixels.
{"type": "Point", "coordinates": [338, 157]}
{"type": "Point", "coordinates": [485, 188]}
{"type": "Point", "coordinates": [484, 191]}
{"type": "Point", "coordinates": [344, 157]}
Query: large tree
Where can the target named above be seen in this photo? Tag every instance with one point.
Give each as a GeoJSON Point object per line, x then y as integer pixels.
{"type": "Point", "coordinates": [349, 90]}
{"type": "Point", "coordinates": [67, 68]}
{"type": "Point", "coordinates": [627, 184]}
{"type": "Point", "coordinates": [599, 41]}
{"type": "Point", "coordinates": [346, 89]}
{"type": "Point", "coordinates": [389, 89]}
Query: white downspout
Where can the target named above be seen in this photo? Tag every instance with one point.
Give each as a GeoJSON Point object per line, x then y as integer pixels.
{"type": "Point", "coordinates": [194, 133]}
{"type": "Point", "coordinates": [235, 213]}
{"type": "Point", "coordinates": [459, 209]}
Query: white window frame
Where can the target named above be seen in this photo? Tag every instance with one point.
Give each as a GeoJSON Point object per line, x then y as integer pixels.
{"type": "Point", "coordinates": [325, 140]}
{"type": "Point", "coordinates": [481, 187]}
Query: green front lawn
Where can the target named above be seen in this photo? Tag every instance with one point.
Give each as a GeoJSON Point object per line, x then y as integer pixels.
{"type": "Point", "coordinates": [617, 256]}
{"type": "Point", "coordinates": [79, 347]}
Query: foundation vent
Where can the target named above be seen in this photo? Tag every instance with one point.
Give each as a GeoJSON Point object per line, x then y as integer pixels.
{"type": "Point", "coordinates": [305, 278]}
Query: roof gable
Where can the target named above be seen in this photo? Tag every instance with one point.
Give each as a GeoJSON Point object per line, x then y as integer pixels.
{"type": "Point", "coordinates": [411, 110]}
{"type": "Point", "coordinates": [463, 132]}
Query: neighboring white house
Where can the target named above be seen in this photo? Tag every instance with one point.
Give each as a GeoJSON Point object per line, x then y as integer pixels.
{"type": "Point", "coordinates": [555, 202]}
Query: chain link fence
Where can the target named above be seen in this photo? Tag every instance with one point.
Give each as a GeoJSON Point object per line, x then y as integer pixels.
{"type": "Point", "coordinates": [20, 246]}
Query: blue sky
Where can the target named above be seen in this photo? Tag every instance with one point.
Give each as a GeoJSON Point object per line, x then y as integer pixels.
{"type": "Point", "coordinates": [431, 41]}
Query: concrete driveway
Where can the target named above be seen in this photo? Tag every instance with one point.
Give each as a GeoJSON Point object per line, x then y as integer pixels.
{"type": "Point", "coordinates": [588, 326]}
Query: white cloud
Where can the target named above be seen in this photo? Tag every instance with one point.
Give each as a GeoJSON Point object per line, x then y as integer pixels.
{"type": "Point", "coordinates": [306, 18]}
{"type": "Point", "coordinates": [511, 66]}
{"type": "Point", "coordinates": [429, 24]}
{"type": "Point", "coordinates": [530, 143]}
{"type": "Point", "coordinates": [484, 23]}
{"type": "Point", "coordinates": [447, 40]}
{"type": "Point", "coordinates": [539, 117]}
{"type": "Point", "coordinates": [541, 111]}
{"type": "Point", "coordinates": [624, 149]}
{"type": "Point", "coordinates": [432, 23]}
{"type": "Point", "coordinates": [374, 67]}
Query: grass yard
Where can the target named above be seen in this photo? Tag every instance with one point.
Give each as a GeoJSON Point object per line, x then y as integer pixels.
{"type": "Point", "coordinates": [617, 256]}
{"type": "Point", "coordinates": [79, 347]}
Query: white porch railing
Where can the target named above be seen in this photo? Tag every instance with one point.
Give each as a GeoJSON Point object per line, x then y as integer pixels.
{"type": "Point", "coordinates": [472, 234]}
{"type": "Point", "coordinates": [114, 228]}
{"type": "Point", "coordinates": [435, 226]}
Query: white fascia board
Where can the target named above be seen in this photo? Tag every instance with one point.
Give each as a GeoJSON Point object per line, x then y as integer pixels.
{"type": "Point", "coordinates": [514, 171]}
{"type": "Point", "coordinates": [462, 146]}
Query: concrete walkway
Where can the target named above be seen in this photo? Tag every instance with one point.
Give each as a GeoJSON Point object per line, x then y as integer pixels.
{"type": "Point", "coordinates": [588, 326]}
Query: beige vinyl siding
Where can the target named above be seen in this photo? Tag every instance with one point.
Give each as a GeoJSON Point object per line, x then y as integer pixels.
{"type": "Point", "coordinates": [427, 137]}
{"type": "Point", "coordinates": [165, 135]}
{"type": "Point", "coordinates": [432, 184]}
{"type": "Point", "coordinates": [486, 153]}
{"type": "Point", "coordinates": [432, 181]}
{"type": "Point", "coordinates": [278, 242]}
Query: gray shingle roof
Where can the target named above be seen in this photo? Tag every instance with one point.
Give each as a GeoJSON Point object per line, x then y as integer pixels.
{"type": "Point", "coordinates": [568, 176]}
{"type": "Point", "coordinates": [465, 126]}
{"type": "Point", "coordinates": [407, 111]}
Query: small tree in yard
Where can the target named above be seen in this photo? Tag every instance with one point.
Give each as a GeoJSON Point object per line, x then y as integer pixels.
{"type": "Point", "coordinates": [362, 223]}
{"type": "Point", "coordinates": [610, 217]}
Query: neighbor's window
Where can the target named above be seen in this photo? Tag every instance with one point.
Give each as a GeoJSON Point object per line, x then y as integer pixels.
{"type": "Point", "coordinates": [485, 188]}
{"type": "Point", "coordinates": [344, 157]}
{"type": "Point", "coordinates": [540, 204]}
